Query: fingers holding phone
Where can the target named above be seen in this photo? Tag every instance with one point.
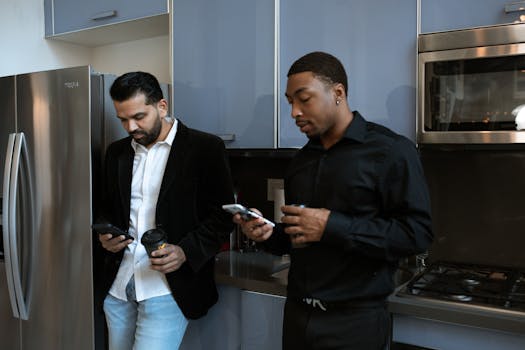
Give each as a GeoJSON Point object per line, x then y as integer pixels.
{"type": "Point", "coordinates": [112, 243]}
{"type": "Point", "coordinates": [256, 229]}
{"type": "Point", "coordinates": [111, 237]}
{"type": "Point", "coordinates": [253, 223]}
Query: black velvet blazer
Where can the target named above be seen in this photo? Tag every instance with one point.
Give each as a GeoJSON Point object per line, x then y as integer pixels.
{"type": "Point", "coordinates": [196, 182]}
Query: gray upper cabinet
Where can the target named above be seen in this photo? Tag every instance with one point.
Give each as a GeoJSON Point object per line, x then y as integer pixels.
{"type": "Point", "coordinates": [376, 42]}
{"type": "Point", "coordinates": [224, 69]}
{"type": "Point", "coordinates": [443, 15]}
{"type": "Point", "coordinates": [129, 19]}
{"type": "Point", "coordinates": [230, 63]}
{"type": "Point", "coordinates": [70, 15]}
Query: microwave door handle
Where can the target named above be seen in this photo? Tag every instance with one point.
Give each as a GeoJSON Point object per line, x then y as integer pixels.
{"type": "Point", "coordinates": [18, 158]}
{"type": "Point", "coordinates": [6, 224]}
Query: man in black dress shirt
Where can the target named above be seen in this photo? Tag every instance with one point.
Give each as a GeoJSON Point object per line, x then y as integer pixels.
{"type": "Point", "coordinates": [361, 204]}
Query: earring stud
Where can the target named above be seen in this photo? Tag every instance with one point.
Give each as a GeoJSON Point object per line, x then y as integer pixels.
{"type": "Point", "coordinates": [337, 102]}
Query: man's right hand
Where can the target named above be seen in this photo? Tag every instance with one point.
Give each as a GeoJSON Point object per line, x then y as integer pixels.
{"type": "Point", "coordinates": [255, 229]}
{"type": "Point", "coordinates": [113, 244]}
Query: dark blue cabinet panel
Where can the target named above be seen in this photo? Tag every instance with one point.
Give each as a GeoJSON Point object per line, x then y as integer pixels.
{"type": "Point", "coordinates": [223, 69]}
{"type": "Point", "coordinates": [376, 42]}
{"type": "Point", "coordinates": [224, 61]}
{"type": "Point", "coordinates": [73, 15]}
{"type": "Point", "coordinates": [442, 15]}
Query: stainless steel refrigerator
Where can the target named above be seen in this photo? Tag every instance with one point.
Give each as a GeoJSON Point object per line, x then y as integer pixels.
{"type": "Point", "coordinates": [53, 132]}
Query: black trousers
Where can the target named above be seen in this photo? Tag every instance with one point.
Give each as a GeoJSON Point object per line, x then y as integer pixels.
{"type": "Point", "coordinates": [349, 327]}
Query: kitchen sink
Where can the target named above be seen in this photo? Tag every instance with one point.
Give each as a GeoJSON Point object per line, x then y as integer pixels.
{"type": "Point", "coordinates": [282, 264]}
{"type": "Point", "coordinates": [280, 269]}
{"type": "Point", "coordinates": [282, 274]}
{"type": "Point", "coordinates": [401, 276]}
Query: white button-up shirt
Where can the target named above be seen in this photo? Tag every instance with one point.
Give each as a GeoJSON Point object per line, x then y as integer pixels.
{"type": "Point", "coordinates": [148, 171]}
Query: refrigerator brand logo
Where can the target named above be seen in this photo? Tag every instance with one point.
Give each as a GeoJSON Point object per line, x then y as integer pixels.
{"type": "Point", "coordinates": [71, 84]}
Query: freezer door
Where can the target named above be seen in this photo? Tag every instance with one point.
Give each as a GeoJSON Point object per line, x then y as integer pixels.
{"type": "Point", "coordinates": [7, 119]}
{"type": "Point", "coordinates": [9, 325]}
{"type": "Point", "coordinates": [7, 126]}
{"type": "Point", "coordinates": [53, 110]}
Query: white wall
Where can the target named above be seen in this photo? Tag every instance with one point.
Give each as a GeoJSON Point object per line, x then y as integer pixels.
{"type": "Point", "coordinates": [24, 49]}
{"type": "Point", "coordinates": [150, 55]}
{"type": "Point", "coordinates": [22, 45]}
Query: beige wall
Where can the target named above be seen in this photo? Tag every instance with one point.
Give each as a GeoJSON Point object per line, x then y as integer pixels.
{"type": "Point", "coordinates": [151, 55]}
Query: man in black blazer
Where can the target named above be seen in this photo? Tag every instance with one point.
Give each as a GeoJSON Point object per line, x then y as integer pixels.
{"type": "Point", "coordinates": [168, 176]}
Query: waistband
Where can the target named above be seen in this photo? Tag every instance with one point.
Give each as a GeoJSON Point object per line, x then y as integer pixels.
{"type": "Point", "coordinates": [334, 305]}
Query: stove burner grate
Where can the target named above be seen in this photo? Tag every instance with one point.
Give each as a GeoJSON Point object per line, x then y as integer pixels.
{"type": "Point", "coordinates": [457, 297]}
{"type": "Point", "coordinates": [473, 284]}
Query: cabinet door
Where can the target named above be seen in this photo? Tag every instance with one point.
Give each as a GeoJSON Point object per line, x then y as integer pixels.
{"type": "Point", "coordinates": [442, 15]}
{"type": "Point", "coordinates": [376, 42]}
{"type": "Point", "coordinates": [72, 15]}
{"type": "Point", "coordinates": [220, 328]}
{"type": "Point", "coordinates": [262, 320]}
{"type": "Point", "coordinates": [223, 69]}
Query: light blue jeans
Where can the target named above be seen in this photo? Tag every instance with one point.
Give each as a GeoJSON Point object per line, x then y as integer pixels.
{"type": "Point", "coordinates": [155, 323]}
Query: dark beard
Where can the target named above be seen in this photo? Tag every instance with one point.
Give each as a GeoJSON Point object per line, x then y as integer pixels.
{"type": "Point", "coordinates": [149, 137]}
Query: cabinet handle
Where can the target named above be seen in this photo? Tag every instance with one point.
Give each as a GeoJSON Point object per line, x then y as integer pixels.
{"type": "Point", "coordinates": [515, 7]}
{"type": "Point", "coordinates": [227, 137]}
{"type": "Point", "coordinates": [103, 15]}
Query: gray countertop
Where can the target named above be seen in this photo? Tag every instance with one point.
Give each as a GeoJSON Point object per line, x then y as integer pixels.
{"type": "Point", "coordinates": [266, 273]}
{"type": "Point", "coordinates": [261, 271]}
{"type": "Point", "coordinates": [255, 271]}
{"type": "Point", "coordinates": [452, 312]}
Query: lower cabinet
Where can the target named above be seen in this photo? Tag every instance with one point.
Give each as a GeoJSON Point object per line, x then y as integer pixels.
{"type": "Point", "coordinates": [428, 333]}
{"type": "Point", "coordinates": [262, 321]}
{"type": "Point", "coordinates": [240, 320]}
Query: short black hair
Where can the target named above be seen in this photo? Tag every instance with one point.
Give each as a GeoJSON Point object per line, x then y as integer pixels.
{"type": "Point", "coordinates": [129, 84]}
{"type": "Point", "coordinates": [323, 65]}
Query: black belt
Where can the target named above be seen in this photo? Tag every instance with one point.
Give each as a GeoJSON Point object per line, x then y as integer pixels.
{"type": "Point", "coordinates": [334, 305]}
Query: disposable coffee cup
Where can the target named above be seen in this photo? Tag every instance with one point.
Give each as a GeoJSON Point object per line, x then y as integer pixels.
{"type": "Point", "coordinates": [154, 239]}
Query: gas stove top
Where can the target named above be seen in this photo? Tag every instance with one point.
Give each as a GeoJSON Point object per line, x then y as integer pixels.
{"type": "Point", "coordinates": [474, 285]}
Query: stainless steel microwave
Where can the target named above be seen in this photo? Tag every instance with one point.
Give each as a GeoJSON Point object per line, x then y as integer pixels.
{"type": "Point", "coordinates": [471, 86]}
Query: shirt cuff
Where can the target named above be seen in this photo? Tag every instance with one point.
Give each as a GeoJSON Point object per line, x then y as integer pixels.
{"type": "Point", "coordinates": [337, 230]}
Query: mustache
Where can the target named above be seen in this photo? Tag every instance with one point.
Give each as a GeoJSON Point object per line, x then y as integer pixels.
{"type": "Point", "coordinates": [137, 132]}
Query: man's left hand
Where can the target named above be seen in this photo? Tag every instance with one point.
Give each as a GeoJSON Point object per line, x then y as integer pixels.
{"type": "Point", "coordinates": [304, 224]}
{"type": "Point", "coordinates": [167, 259]}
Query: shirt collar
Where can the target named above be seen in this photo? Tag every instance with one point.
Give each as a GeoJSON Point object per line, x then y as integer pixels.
{"type": "Point", "coordinates": [169, 138]}
{"type": "Point", "coordinates": [355, 131]}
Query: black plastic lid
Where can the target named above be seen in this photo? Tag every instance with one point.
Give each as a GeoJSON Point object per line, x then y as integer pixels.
{"type": "Point", "coordinates": [153, 236]}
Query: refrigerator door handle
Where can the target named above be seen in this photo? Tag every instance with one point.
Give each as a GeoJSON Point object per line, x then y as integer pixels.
{"type": "Point", "coordinates": [6, 211]}
{"type": "Point", "coordinates": [20, 164]}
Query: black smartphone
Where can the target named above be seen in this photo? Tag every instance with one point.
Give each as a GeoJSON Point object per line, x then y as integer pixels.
{"type": "Point", "coordinates": [109, 228]}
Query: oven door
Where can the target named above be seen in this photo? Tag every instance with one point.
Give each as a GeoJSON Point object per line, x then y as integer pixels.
{"type": "Point", "coordinates": [472, 95]}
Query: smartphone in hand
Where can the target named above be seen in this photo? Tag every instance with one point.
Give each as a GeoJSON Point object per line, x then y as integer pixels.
{"type": "Point", "coordinates": [109, 228]}
{"type": "Point", "coordinates": [246, 213]}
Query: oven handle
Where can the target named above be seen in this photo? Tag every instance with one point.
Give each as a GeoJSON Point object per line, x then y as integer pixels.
{"type": "Point", "coordinates": [515, 7]}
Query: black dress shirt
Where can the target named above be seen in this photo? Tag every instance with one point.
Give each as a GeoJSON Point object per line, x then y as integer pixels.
{"type": "Point", "coordinates": [373, 183]}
